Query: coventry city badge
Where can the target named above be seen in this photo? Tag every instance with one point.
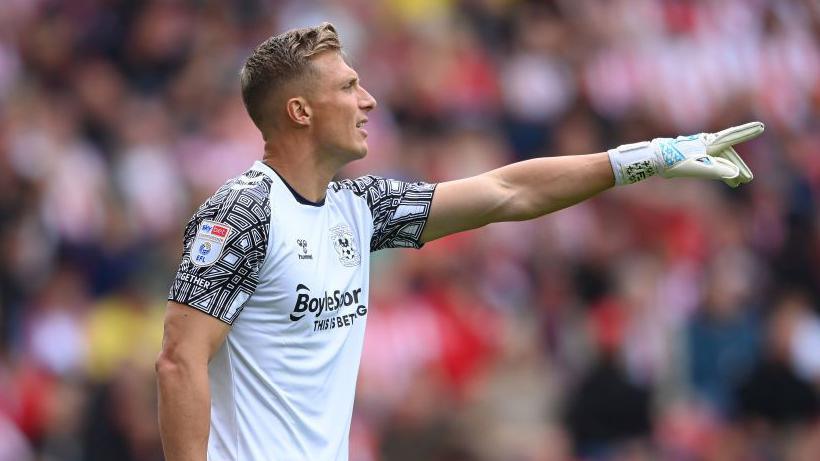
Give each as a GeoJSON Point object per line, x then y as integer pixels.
{"type": "Point", "coordinates": [342, 238]}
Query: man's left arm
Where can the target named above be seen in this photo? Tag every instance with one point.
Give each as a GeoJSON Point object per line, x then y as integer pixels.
{"type": "Point", "coordinates": [533, 188]}
{"type": "Point", "coordinates": [516, 192]}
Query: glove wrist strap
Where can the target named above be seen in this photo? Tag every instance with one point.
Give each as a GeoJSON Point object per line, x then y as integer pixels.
{"type": "Point", "coordinates": [633, 162]}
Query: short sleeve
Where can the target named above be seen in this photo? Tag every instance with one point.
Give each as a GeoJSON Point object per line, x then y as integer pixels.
{"type": "Point", "coordinates": [224, 246]}
{"type": "Point", "coordinates": [400, 209]}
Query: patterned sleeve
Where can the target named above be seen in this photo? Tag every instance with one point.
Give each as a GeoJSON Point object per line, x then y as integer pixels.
{"type": "Point", "coordinates": [399, 209]}
{"type": "Point", "coordinates": [224, 245]}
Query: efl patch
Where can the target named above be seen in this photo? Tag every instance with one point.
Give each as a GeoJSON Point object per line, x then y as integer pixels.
{"type": "Point", "coordinates": [209, 242]}
{"type": "Point", "coordinates": [342, 238]}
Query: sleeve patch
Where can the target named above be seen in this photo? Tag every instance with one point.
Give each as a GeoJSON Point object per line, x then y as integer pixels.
{"type": "Point", "coordinates": [209, 242]}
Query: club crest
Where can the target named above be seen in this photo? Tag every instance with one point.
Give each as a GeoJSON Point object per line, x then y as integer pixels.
{"type": "Point", "coordinates": [345, 244]}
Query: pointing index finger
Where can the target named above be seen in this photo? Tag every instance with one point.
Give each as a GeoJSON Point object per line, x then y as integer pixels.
{"type": "Point", "coordinates": [734, 135]}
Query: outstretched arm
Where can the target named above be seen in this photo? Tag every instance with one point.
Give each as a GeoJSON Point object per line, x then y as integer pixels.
{"type": "Point", "coordinates": [533, 188]}
{"type": "Point", "coordinates": [517, 192]}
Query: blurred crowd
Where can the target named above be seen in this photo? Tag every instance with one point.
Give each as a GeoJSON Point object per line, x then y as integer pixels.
{"type": "Point", "coordinates": [672, 320]}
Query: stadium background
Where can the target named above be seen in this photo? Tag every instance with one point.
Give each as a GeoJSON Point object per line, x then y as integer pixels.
{"type": "Point", "coordinates": [673, 320]}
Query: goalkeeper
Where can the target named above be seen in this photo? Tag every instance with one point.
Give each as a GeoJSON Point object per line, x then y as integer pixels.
{"type": "Point", "coordinates": [266, 314]}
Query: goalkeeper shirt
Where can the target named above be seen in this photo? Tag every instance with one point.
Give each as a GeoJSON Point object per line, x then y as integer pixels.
{"type": "Point", "coordinates": [291, 278]}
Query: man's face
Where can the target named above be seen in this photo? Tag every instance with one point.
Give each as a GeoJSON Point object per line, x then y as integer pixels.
{"type": "Point", "coordinates": [339, 107]}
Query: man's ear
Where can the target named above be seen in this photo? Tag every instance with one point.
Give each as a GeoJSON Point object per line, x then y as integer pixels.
{"type": "Point", "coordinates": [299, 111]}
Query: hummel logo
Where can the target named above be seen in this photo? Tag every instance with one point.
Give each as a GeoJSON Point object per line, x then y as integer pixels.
{"type": "Point", "coordinates": [303, 244]}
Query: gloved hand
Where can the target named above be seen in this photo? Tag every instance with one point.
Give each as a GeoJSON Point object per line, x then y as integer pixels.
{"type": "Point", "coordinates": [705, 155]}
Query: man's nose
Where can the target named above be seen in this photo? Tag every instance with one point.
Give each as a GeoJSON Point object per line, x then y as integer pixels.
{"type": "Point", "coordinates": [367, 102]}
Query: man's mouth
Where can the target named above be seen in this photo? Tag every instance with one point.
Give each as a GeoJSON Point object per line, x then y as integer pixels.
{"type": "Point", "coordinates": [360, 125]}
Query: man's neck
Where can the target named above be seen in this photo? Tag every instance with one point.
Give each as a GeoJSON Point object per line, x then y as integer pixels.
{"type": "Point", "coordinates": [301, 166]}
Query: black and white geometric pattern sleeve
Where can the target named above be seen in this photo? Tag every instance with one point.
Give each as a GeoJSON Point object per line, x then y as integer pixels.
{"type": "Point", "coordinates": [224, 246]}
{"type": "Point", "coordinates": [399, 209]}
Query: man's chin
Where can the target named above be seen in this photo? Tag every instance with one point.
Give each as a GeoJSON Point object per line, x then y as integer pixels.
{"type": "Point", "coordinates": [361, 152]}
{"type": "Point", "coordinates": [352, 154]}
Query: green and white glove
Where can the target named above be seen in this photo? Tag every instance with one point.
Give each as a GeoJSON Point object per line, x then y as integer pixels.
{"type": "Point", "coordinates": [704, 155]}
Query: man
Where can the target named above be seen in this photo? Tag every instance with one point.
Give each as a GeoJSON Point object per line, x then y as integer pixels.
{"type": "Point", "coordinates": [266, 315]}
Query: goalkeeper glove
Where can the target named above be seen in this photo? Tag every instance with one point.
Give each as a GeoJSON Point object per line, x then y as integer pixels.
{"type": "Point", "coordinates": [704, 155]}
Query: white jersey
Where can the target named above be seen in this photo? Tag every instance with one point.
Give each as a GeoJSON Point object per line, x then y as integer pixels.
{"type": "Point", "coordinates": [291, 277]}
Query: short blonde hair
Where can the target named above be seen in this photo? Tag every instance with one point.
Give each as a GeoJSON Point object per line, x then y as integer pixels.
{"type": "Point", "coordinates": [279, 60]}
